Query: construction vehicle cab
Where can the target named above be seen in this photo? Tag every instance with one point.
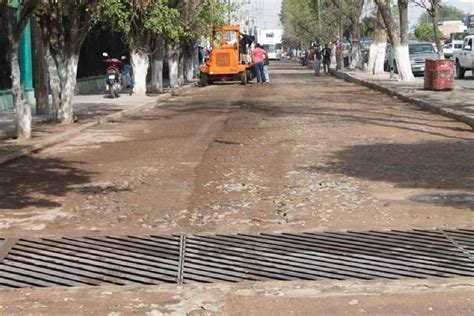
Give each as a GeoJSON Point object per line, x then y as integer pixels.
{"type": "Point", "coordinates": [224, 61]}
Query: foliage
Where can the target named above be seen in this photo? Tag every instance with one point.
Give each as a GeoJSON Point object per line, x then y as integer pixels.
{"type": "Point", "coordinates": [424, 32]}
{"type": "Point", "coordinates": [140, 20]}
{"type": "Point", "coordinates": [446, 13]}
{"type": "Point", "coordinates": [300, 22]}
{"type": "Point", "coordinates": [211, 14]}
{"type": "Point", "coordinates": [368, 26]}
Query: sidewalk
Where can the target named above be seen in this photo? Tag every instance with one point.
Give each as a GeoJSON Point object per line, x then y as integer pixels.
{"type": "Point", "coordinates": [90, 110]}
{"type": "Point", "coordinates": [457, 104]}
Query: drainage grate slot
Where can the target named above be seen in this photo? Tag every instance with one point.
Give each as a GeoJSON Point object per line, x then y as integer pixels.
{"type": "Point", "coordinates": [124, 260]}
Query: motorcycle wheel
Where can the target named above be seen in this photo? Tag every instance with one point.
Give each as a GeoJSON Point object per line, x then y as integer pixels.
{"type": "Point", "coordinates": [113, 92]}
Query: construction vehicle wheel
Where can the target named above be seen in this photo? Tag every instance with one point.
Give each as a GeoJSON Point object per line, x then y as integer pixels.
{"type": "Point", "coordinates": [249, 76]}
{"type": "Point", "coordinates": [203, 80]}
{"type": "Point", "coordinates": [243, 78]}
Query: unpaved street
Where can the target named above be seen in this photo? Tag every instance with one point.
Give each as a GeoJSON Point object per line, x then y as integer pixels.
{"type": "Point", "coordinates": [301, 154]}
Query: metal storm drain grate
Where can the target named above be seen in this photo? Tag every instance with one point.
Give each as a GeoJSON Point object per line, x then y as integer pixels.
{"type": "Point", "coordinates": [125, 260]}
{"type": "Point", "coordinates": [91, 261]}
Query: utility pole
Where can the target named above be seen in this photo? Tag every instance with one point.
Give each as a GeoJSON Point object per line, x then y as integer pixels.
{"type": "Point", "coordinates": [26, 65]}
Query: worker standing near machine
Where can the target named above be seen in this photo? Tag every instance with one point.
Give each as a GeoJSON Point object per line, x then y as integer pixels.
{"type": "Point", "coordinates": [266, 63]}
{"type": "Point", "coordinates": [245, 44]}
{"type": "Point", "coordinates": [258, 58]}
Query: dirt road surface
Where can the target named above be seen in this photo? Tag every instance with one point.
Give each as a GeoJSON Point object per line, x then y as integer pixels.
{"type": "Point", "coordinates": [300, 154]}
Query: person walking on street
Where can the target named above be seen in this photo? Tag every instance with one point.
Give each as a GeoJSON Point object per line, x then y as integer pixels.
{"type": "Point", "coordinates": [258, 57]}
{"type": "Point", "coordinates": [265, 68]}
{"type": "Point", "coordinates": [317, 60]}
{"type": "Point", "coordinates": [326, 58]}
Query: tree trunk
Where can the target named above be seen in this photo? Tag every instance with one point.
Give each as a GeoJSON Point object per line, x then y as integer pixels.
{"type": "Point", "coordinates": [378, 48]}
{"type": "Point", "coordinates": [55, 85]}
{"type": "Point", "coordinates": [188, 64]}
{"type": "Point", "coordinates": [401, 51]}
{"type": "Point", "coordinates": [140, 63]}
{"type": "Point", "coordinates": [157, 68]}
{"type": "Point", "coordinates": [357, 60]}
{"type": "Point", "coordinates": [173, 57]}
{"type": "Point", "coordinates": [40, 72]}
{"type": "Point", "coordinates": [66, 111]}
{"type": "Point", "coordinates": [195, 60]}
{"type": "Point", "coordinates": [434, 19]}
{"type": "Point", "coordinates": [21, 107]}
{"type": "Point", "coordinates": [181, 67]}
{"type": "Point", "coordinates": [402, 54]}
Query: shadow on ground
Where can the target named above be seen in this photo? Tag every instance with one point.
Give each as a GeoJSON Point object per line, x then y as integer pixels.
{"type": "Point", "coordinates": [441, 165]}
{"type": "Point", "coordinates": [38, 182]}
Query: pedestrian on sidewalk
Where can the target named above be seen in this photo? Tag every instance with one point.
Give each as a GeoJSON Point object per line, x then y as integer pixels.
{"type": "Point", "coordinates": [317, 60]}
{"type": "Point", "coordinates": [128, 74]}
{"type": "Point", "coordinates": [326, 58]}
{"type": "Point", "coordinates": [258, 57]}
{"type": "Point", "coordinates": [265, 68]}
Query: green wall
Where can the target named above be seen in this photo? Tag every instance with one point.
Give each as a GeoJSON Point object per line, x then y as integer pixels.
{"type": "Point", "coordinates": [91, 85]}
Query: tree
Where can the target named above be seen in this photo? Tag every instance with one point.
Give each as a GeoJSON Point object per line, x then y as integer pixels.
{"type": "Point", "coordinates": [305, 21]}
{"type": "Point", "coordinates": [352, 9]}
{"type": "Point", "coordinates": [65, 25]}
{"type": "Point", "coordinates": [432, 8]}
{"type": "Point", "coordinates": [424, 32]}
{"type": "Point", "coordinates": [14, 25]}
{"type": "Point", "coordinates": [399, 40]}
{"type": "Point", "coordinates": [446, 13]}
{"type": "Point", "coordinates": [142, 22]}
{"type": "Point", "coordinates": [378, 47]}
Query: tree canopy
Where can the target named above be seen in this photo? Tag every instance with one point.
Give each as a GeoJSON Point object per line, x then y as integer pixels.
{"type": "Point", "coordinates": [446, 13]}
{"type": "Point", "coordinates": [425, 32]}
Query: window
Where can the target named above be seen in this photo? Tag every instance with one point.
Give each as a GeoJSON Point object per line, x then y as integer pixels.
{"type": "Point", "coordinates": [469, 43]}
{"type": "Point", "coordinates": [421, 48]}
{"type": "Point", "coordinates": [458, 46]}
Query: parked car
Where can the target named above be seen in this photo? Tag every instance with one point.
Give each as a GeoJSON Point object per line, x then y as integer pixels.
{"type": "Point", "coordinates": [450, 48]}
{"type": "Point", "coordinates": [419, 52]}
{"type": "Point", "coordinates": [464, 58]}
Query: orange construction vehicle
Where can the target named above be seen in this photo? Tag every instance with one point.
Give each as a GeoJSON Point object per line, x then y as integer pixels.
{"type": "Point", "coordinates": [225, 61]}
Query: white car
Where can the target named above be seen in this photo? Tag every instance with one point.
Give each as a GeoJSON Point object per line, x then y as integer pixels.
{"type": "Point", "coordinates": [452, 47]}
{"type": "Point", "coordinates": [464, 58]}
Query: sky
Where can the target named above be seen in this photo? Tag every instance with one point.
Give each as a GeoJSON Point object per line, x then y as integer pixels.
{"type": "Point", "coordinates": [414, 12]}
{"type": "Point", "coordinates": [266, 12]}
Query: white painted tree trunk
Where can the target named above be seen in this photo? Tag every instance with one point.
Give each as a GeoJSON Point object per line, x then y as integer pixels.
{"type": "Point", "coordinates": [380, 58]}
{"type": "Point", "coordinates": [55, 86]}
{"type": "Point", "coordinates": [373, 51]}
{"type": "Point", "coordinates": [356, 57]}
{"type": "Point", "coordinates": [66, 111]}
{"type": "Point", "coordinates": [195, 60]}
{"type": "Point", "coordinates": [181, 69]}
{"type": "Point", "coordinates": [376, 57]}
{"type": "Point", "coordinates": [157, 70]}
{"type": "Point", "coordinates": [140, 63]}
{"type": "Point", "coordinates": [188, 67]}
{"type": "Point", "coordinates": [21, 107]}
{"type": "Point", "coordinates": [403, 63]}
{"type": "Point", "coordinates": [173, 58]}
{"type": "Point", "coordinates": [157, 75]}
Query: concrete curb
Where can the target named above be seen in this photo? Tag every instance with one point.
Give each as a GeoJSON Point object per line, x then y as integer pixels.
{"type": "Point", "coordinates": [56, 139]}
{"type": "Point", "coordinates": [425, 105]}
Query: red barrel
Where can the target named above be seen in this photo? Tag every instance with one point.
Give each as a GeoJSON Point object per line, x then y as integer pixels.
{"type": "Point", "coordinates": [439, 74]}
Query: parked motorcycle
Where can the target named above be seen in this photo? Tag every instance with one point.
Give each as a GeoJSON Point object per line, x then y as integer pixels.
{"type": "Point", "coordinates": [114, 75]}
